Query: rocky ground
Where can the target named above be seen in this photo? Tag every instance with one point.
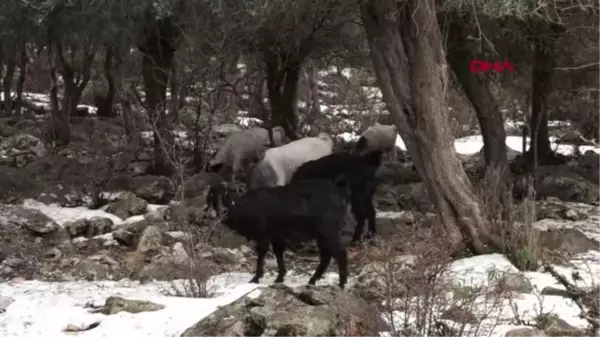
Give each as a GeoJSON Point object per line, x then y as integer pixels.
{"type": "Point", "coordinates": [89, 217]}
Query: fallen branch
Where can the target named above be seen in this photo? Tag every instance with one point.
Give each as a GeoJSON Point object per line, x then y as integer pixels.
{"type": "Point", "coordinates": [575, 294]}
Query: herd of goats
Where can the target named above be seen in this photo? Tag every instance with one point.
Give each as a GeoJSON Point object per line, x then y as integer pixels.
{"type": "Point", "coordinates": [298, 191]}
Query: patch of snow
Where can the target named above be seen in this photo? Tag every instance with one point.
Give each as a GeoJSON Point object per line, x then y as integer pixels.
{"type": "Point", "coordinates": [349, 121]}
{"type": "Point", "coordinates": [496, 313]}
{"type": "Point", "coordinates": [372, 92]}
{"type": "Point", "coordinates": [470, 145]}
{"type": "Point", "coordinates": [322, 84]}
{"type": "Point", "coordinates": [155, 207]}
{"type": "Point", "coordinates": [348, 136]}
{"type": "Point", "coordinates": [91, 109]}
{"type": "Point", "coordinates": [247, 121]}
{"type": "Point", "coordinates": [134, 219]}
{"type": "Point", "coordinates": [389, 214]}
{"type": "Point", "coordinates": [551, 124]}
{"type": "Point", "coordinates": [62, 215]}
{"type": "Point", "coordinates": [347, 73]}
{"type": "Point", "coordinates": [46, 308]}
{"type": "Point", "coordinates": [400, 143]}
{"type": "Point", "coordinates": [478, 270]}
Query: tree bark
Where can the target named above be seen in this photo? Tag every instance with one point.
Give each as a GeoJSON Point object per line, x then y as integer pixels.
{"type": "Point", "coordinates": [174, 102]}
{"type": "Point", "coordinates": [74, 80]}
{"type": "Point", "coordinates": [60, 128]}
{"type": "Point", "coordinates": [410, 65]}
{"type": "Point", "coordinates": [541, 76]}
{"type": "Point", "coordinates": [105, 108]}
{"type": "Point", "coordinates": [161, 39]}
{"type": "Point", "coordinates": [256, 86]}
{"type": "Point", "coordinates": [10, 57]}
{"type": "Point", "coordinates": [282, 86]}
{"type": "Point", "coordinates": [489, 116]}
{"type": "Point", "coordinates": [313, 109]}
{"type": "Point", "coordinates": [21, 78]}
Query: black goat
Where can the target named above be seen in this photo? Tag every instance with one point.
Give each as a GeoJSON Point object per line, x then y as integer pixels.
{"type": "Point", "coordinates": [290, 213]}
{"type": "Point", "coordinates": [358, 171]}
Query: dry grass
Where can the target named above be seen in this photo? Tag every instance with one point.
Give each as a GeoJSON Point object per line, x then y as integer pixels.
{"type": "Point", "coordinates": [419, 299]}
{"type": "Point", "coordinates": [513, 226]}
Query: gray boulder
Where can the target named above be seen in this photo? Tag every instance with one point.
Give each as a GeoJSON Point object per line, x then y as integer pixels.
{"type": "Point", "coordinates": [283, 311]}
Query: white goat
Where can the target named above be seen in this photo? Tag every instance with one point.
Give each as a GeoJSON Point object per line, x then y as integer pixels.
{"type": "Point", "coordinates": [245, 145]}
{"type": "Point", "coordinates": [280, 163]}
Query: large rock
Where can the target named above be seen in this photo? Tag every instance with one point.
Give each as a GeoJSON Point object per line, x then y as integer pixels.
{"type": "Point", "coordinates": [569, 240]}
{"type": "Point", "coordinates": [25, 236]}
{"type": "Point", "coordinates": [32, 219]}
{"type": "Point", "coordinates": [151, 239]}
{"type": "Point", "coordinates": [24, 148]}
{"type": "Point", "coordinates": [89, 227]}
{"type": "Point", "coordinates": [13, 181]}
{"type": "Point", "coordinates": [283, 311]}
{"type": "Point", "coordinates": [567, 186]}
{"type": "Point", "coordinates": [127, 205]}
{"type": "Point", "coordinates": [590, 159]}
{"type": "Point", "coordinates": [154, 189]}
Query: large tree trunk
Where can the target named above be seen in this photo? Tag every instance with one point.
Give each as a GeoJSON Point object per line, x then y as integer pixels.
{"type": "Point", "coordinates": [175, 100]}
{"type": "Point", "coordinates": [313, 109]}
{"type": "Point", "coordinates": [21, 78]}
{"type": "Point", "coordinates": [106, 104]}
{"type": "Point", "coordinates": [75, 80]}
{"type": "Point", "coordinates": [541, 76]}
{"type": "Point", "coordinates": [410, 65]}
{"type": "Point", "coordinates": [475, 86]}
{"type": "Point", "coordinates": [10, 57]}
{"type": "Point", "coordinates": [60, 128]}
{"type": "Point", "coordinates": [282, 85]}
{"type": "Point", "coordinates": [161, 39]}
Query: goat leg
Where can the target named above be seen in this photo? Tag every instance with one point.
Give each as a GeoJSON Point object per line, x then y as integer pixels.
{"type": "Point", "coordinates": [371, 220]}
{"type": "Point", "coordinates": [261, 251]}
{"type": "Point", "coordinates": [324, 260]}
{"type": "Point", "coordinates": [341, 257]}
{"type": "Point", "coordinates": [278, 249]}
{"type": "Point", "coordinates": [359, 216]}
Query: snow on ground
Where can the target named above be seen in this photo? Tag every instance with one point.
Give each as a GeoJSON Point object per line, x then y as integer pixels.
{"type": "Point", "coordinates": [62, 215]}
{"type": "Point", "coordinates": [471, 145]}
{"type": "Point", "coordinates": [485, 270]}
{"type": "Point", "coordinates": [44, 100]}
{"type": "Point", "coordinates": [46, 308]}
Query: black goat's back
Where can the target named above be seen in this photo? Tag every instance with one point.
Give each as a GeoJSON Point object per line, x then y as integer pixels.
{"type": "Point", "coordinates": [291, 211]}
{"type": "Point", "coordinates": [338, 164]}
